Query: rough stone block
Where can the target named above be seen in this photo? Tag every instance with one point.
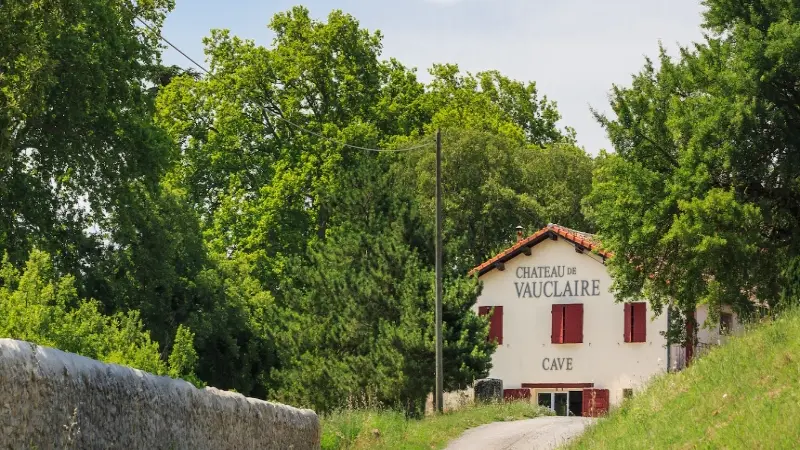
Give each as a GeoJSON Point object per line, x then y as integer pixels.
{"type": "Point", "coordinates": [488, 390]}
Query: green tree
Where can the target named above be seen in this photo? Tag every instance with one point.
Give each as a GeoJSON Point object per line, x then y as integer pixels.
{"type": "Point", "coordinates": [364, 327]}
{"type": "Point", "coordinates": [236, 334]}
{"type": "Point", "coordinates": [263, 186]}
{"type": "Point", "coordinates": [701, 202]}
{"type": "Point", "coordinates": [491, 185]}
{"type": "Point", "coordinates": [85, 175]}
{"type": "Point", "coordinates": [153, 259]}
{"type": "Point", "coordinates": [505, 163]}
{"type": "Point", "coordinates": [75, 120]}
{"type": "Point", "coordinates": [183, 358]}
{"type": "Point", "coordinates": [41, 308]}
{"type": "Point", "coordinates": [493, 103]}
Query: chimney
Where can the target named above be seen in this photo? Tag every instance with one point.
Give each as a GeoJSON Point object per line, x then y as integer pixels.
{"type": "Point", "coordinates": [519, 233]}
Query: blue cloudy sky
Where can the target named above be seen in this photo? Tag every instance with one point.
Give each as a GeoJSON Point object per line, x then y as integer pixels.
{"type": "Point", "coordinates": [573, 49]}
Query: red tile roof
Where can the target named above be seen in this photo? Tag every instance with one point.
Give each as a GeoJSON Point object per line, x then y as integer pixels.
{"type": "Point", "coordinates": [584, 240]}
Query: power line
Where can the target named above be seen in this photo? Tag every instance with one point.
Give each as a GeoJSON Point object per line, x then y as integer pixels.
{"type": "Point", "coordinates": [278, 117]}
{"type": "Point", "coordinates": [157, 33]}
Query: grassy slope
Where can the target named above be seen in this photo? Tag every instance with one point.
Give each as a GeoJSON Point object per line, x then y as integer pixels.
{"type": "Point", "coordinates": [745, 394]}
{"type": "Point", "coordinates": [353, 429]}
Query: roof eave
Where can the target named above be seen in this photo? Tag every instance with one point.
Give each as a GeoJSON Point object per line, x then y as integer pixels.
{"type": "Point", "coordinates": [548, 232]}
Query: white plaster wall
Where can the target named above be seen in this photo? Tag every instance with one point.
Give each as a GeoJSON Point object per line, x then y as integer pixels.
{"type": "Point", "coordinates": [708, 334]}
{"type": "Point", "coordinates": [603, 358]}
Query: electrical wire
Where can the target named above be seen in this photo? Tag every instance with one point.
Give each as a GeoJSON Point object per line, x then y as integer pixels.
{"type": "Point", "coordinates": [278, 117]}
{"type": "Point", "coordinates": [160, 36]}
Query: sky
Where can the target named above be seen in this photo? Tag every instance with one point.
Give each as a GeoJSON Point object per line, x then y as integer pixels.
{"type": "Point", "coordinates": [575, 50]}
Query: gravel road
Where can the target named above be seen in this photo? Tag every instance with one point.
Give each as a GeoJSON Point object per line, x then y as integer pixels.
{"type": "Point", "coordinates": [542, 433]}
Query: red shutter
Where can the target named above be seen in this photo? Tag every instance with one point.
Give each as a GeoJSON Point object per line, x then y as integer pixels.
{"type": "Point", "coordinates": [516, 394]}
{"type": "Point", "coordinates": [495, 321]}
{"type": "Point", "coordinates": [595, 402]}
{"type": "Point", "coordinates": [496, 325]}
{"type": "Point", "coordinates": [602, 401]}
{"type": "Point", "coordinates": [586, 408]}
{"type": "Point", "coordinates": [627, 334]}
{"type": "Point", "coordinates": [557, 336]}
{"type": "Point", "coordinates": [639, 333]}
{"type": "Point", "coordinates": [573, 332]}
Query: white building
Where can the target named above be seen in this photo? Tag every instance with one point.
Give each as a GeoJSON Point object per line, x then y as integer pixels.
{"type": "Point", "coordinates": [562, 339]}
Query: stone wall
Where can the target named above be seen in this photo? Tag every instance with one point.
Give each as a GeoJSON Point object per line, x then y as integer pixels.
{"type": "Point", "coordinates": [52, 399]}
{"type": "Point", "coordinates": [453, 401]}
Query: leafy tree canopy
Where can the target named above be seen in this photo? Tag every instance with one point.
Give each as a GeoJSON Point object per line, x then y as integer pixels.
{"type": "Point", "coordinates": [701, 202]}
{"type": "Point", "coordinates": [75, 124]}
{"type": "Point", "coordinates": [40, 308]}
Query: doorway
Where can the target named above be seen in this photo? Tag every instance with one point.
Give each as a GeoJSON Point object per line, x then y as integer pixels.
{"type": "Point", "coordinates": [560, 402]}
{"type": "Point", "coordinates": [576, 403]}
{"type": "Point", "coordinates": [565, 403]}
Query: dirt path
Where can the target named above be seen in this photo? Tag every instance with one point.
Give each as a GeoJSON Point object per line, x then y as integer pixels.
{"type": "Point", "coordinates": [542, 433]}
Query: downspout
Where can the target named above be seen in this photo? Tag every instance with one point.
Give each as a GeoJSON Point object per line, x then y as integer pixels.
{"type": "Point", "coordinates": [669, 308]}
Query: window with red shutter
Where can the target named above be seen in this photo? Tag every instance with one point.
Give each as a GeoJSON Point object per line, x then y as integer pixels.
{"type": "Point", "coordinates": [557, 333]}
{"type": "Point", "coordinates": [567, 324]}
{"type": "Point", "coordinates": [573, 325]}
{"type": "Point", "coordinates": [635, 322]}
{"type": "Point", "coordinates": [496, 325]}
{"type": "Point", "coordinates": [495, 314]}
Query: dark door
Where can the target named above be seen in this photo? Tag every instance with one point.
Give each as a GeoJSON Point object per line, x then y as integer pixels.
{"type": "Point", "coordinates": [575, 403]}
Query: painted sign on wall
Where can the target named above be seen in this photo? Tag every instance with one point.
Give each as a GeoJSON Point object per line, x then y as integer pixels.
{"type": "Point", "coordinates": [548, 282]}
{"type": "Point", "coordinates": [557, 363]}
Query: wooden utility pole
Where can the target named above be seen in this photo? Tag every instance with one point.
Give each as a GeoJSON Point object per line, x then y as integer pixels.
{"type": "Point", "coordinates": [439, 365]}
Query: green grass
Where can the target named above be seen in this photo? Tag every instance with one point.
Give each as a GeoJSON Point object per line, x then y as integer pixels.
{"type": "Point", "coordinates": [381, 429]}
{"type": "Point", "coordinates": [745, 394]}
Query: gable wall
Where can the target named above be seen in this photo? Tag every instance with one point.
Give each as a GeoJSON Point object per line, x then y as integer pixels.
{"type": "Point", "coordinates": [603, 358]}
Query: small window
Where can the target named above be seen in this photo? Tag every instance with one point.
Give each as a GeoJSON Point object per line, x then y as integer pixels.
{"type": "Point", "coordinates": [545, 399]}
{"type": "Point", "coordinates": [627, 393]}
{"type": "Point", "coordinates": [635, 322]}
{"type": "Point", "coordinates": [725, 323]}
{"type": "Point", "coordinates": [495, 314]}
{"type": "Point", "coordinates": [567, 321]}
